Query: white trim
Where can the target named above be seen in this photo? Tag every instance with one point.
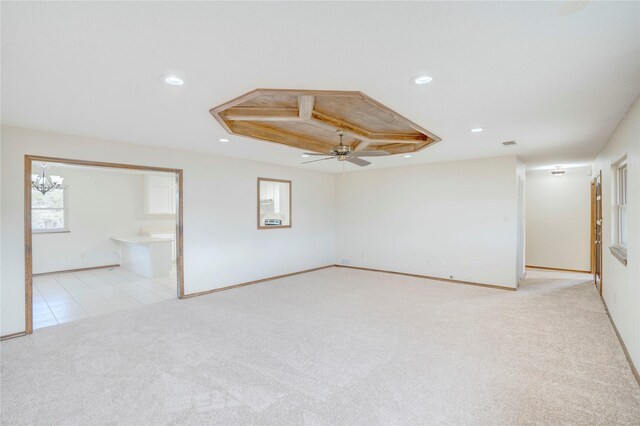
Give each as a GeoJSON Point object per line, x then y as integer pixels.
{"type": "Point", "coordinates": [620, 206]}
{"type": "Point", "coordinates": [65, 210]}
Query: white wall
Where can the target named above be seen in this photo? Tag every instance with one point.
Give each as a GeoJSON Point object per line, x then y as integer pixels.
{"type": "Point", "coordinates": [621, 284]}
{"type": "Point", "coordinates": [221, 243]}
{"type": "Point", "coordinates": [102, 203]}
{"type": "Point", "coordinates": [522, 218]}
{"type": "Point", "coordinates": [559, 219]}
{"type": "Point", "coordinates": [455, 219]}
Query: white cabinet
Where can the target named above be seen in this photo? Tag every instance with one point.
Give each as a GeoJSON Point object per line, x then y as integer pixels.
{"type": "Point", "coordinates": [170, 237]}
{"type": "Point", "coordinates": [159, 194]}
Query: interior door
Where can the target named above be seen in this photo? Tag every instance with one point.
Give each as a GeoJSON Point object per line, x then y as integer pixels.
{"type": "Point", "coordinates": [596, 231]}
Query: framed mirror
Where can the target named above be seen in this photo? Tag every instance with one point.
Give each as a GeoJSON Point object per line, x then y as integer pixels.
{"type": "Point", "coordinates": [274, 203]}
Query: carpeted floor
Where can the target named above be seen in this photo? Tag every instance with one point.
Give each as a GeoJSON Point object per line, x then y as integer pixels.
{"type": "Point", "coordinates": [334, 347]}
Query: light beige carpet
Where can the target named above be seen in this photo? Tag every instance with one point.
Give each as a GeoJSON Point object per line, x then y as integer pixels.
{"type": "Point", "coordinates": [333, 347]}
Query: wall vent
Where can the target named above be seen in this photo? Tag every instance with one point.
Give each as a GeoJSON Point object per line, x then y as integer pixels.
{"type": "Point", "coordinates": [509, 143]}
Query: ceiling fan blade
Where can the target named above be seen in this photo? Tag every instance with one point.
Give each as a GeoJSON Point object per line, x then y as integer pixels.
{"type": "Point", "coordinates": [321, 159]}
{"type": "Point", "coordinates": [358, 162]}
{"type": "Point", "coordinates": [379, 153]}
{"type": "Point", "coordinates": [314, 153]}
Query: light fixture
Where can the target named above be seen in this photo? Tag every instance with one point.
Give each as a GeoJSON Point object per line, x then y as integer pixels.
{"type": "Point", "coordinates": [305, 155]}
{"type": "Point", "coordinates": [44, 183]}
{"type": "Point", "coordinates": [558, 172]}
{"type": "Point", "coordinates": [422, 79]}
{"type": "Point", "coordinates": [407, 156]}
{"type": "Point", "coordinates": [477, 130]}
{"type": "Point", "coordinates": [173, 80]}
{"type": "Point", "coordinates": [223, 140]}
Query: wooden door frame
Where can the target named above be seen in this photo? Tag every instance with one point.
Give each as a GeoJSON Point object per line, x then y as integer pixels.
{"type": "Point", "coordinates": [596, 250]}
{"type": "Point", "coordinates": [593, 227]}
{"type": "Point", "coordinates": [28, 255]}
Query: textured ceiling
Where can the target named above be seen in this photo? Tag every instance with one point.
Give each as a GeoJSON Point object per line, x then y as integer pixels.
{"type": "Point", "coordinates": [555, 79]}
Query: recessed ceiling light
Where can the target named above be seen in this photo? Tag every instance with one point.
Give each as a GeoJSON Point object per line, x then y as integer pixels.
{"type": "Point", "coordinates": [407, 156]}
{"type": "Point", "coordinates": [477, 130]}
{"type": "Point", "coordinates": [305, 155]}
{"type": "Point", "coordinates": [223, 140]}
{"type": "Point", "coordinates": [422, 79]}
{"type": "Point", "coordinates": [173, 80]}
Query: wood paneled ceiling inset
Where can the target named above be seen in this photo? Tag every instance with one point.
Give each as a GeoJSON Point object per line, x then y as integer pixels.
{"type": "Point", "coordinates": [309, 119]}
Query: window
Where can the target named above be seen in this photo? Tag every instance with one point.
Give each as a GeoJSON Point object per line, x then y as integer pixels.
{"type": "Point", "coordinates": [619, 231]}
{"type": "Point", "coordinates": [274, 203]}
{"type": "Point", "coordinates": [49, 211]}
{"type": "Point", "coordinates": [621, 203]}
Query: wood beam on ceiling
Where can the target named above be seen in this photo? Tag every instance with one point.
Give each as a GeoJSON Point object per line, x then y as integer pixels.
{"type": "Point", "coordinates": [236, 117]}
{"type": "Point", "coordinates": [360, 145]}
{"type": "Point", "coordinates": [403, 148]}
{"type": "Point", "coordinates": [329, 122]}
{"type": "Point", "coordinates": [398, 137]}
{"type": "Point", "coordinates": [241, 113]}
{"type": "Point", "coordinates": [394, 115]}
{"type": "Point", "coordinates": [263, 133]}
{"type": "Point", "coordinates": [305, 106]}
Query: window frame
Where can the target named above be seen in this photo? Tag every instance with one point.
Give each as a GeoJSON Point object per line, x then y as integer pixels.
{"type": "Point", "coordinates": [288, 182]}
{"type": "Point", "coordinates": [65, 213]}
{"type": "Point", "coordinates": [620, 194]}
{"type": "Point", "coordinates": [621, 200]}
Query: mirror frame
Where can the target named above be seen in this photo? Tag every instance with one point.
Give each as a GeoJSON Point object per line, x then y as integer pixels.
{"type": "Point", "coordinates": [261, 179]}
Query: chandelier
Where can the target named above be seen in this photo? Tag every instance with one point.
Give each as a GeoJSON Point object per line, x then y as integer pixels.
{"type": "Point", "coordinates": [44, 183]}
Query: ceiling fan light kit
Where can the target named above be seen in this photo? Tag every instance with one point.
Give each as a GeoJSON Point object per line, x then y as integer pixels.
{"type": "Point", "coordinates": [309, 120]}
{"type": "Point", "coordinates": [343, 152]}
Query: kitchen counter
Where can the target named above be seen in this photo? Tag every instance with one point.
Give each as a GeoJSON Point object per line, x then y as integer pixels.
{"type": "Point", "coordinates": [146, 256]}
{"type": "Point", "coordinates": [141, 239]}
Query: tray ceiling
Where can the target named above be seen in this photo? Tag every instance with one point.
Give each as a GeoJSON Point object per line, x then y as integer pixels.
{"type": "Point", "coordinates": [309, 119]}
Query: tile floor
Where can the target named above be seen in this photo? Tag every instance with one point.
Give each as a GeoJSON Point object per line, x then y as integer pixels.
{"type": "Point", "coordinates": [60, 298]}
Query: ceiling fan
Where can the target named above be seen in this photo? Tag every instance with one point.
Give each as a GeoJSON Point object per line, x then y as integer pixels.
{"type": "Point", "coordinates": [343, 152]}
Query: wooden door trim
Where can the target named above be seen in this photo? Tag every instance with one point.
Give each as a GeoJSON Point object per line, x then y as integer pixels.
{"type": "Point", "coordinates": [634, 370]}
{"type": "Point", "coordinates": [28, 255]}
{"type": "Point", "coordinates": [67, 271]}
{"type": "Point", "coordinates": [262, 280]}
{"type": "Point", "coordinates": [13, 335]}
{"type": "Point", "coordinates": [548, 268]}
{"type": "Point", "coordinates": [592, 249]}
{"type": "Point", "coordinates": [598, 254]}
{"type": "Point", "coordinates": [428, 277]}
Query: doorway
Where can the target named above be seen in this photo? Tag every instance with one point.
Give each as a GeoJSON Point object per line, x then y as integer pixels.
{"type": "Point", "coordinates": [128, 264]}
{"type": "Point", "coordinates": [596, 231]}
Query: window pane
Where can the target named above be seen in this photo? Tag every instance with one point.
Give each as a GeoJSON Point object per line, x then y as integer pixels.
{"type": "Point", "coordinates": [47, 219]}
{"type": "Point", "coordinates": [623, 226]}
{"type": "Point", "coordinates": [623, 186]}
{"type": "Point", "coordinates": [52, 199]}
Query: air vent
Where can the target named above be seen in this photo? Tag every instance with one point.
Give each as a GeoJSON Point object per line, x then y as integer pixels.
{"type": "Point", "coordinates": [509, 143]}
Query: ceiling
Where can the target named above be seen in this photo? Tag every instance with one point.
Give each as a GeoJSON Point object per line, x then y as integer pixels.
{"type": "Point", "coordinates": [555, 77]}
